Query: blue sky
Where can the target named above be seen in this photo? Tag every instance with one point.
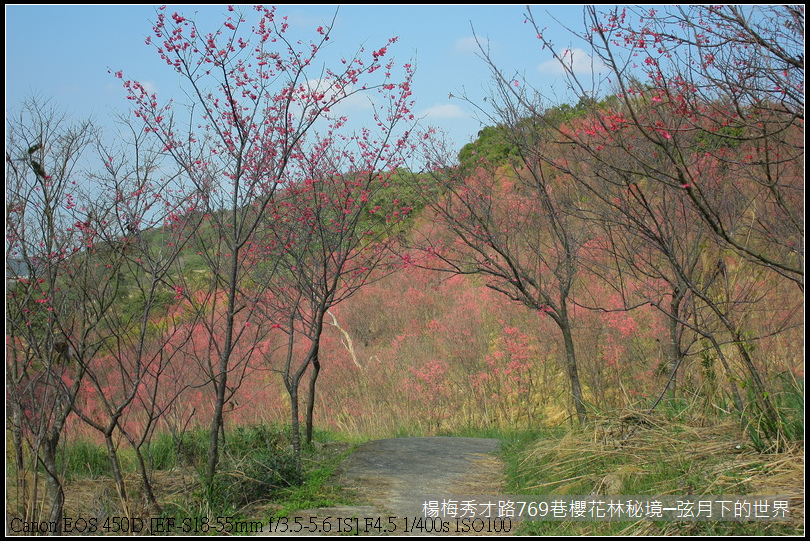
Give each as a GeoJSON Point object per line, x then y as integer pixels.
{"type": "Point", "coordinates": [63, 53]}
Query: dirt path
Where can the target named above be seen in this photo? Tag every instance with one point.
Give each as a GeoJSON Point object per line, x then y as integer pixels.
{"type": "Point", "coordinates": [391, 478]}
{"type": "Point", "coordinates": [395, 474]}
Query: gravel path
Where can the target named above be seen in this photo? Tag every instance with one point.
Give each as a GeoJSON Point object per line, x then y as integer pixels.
{"type": "Point", "coordinates": [395, 474]}
{"type": "Point", "coordinates": [391, 478]}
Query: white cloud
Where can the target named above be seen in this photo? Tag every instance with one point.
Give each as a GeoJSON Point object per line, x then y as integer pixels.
{"type": "Point", "coordinates": [149, 87]}
{"type": "Point", "coordinates": [470, 44]}
{"type": "Point", "coordinates": [301, 19]}
{"type": "Point", "coordinates": [577, 59]}
{"type": "Point", "coordinates": [348, 99]}
{"type": "Point", "coordinates": [329, 88]}
{"type": "Point", "coordinates": [443, 111]}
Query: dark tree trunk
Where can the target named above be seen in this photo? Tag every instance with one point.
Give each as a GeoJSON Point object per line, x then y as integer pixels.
{"type": "Point", "coordinates": [316, 368]}
{"type": "Point", "coordinates": [56, 493]}
{"type": "Point", "coordinates": [295, 428]}
{"type": "Point", "coordinates": [118, 476]}
{"type": "Point", "coordinates": [573, 374]}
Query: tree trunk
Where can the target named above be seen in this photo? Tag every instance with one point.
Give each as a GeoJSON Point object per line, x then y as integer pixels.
{"type": "Point", "coordinates": [216, 423]}
{"type": "Point", "coordinates": [221, 379]}
{"type": "Point", "coordinates": [147, 483]}
{"type": "Point", "coordinates": [571, 367]}
{"type": "Point", "coordinates": [735, 392]}
{"type": "Point", "coordinates": [675, 354]}
{"type": "Point", "coordinates": [19, 458]}
{"type": "Point", "coordinates": [56, 493]}
{"type": "Point", "coordinates": [118, 476]}
{"type": "Point", "coordinates": [295, 428]}
{"type": "Point", "coordinates": [772, 427]}
{"type": "Point", "coordinates": [760, 391]}
{"type": "Point", "coordinates": [316, 368]}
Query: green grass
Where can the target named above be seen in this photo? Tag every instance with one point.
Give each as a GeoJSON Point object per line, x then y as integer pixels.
{"type": "Point", "coordinates": [316, 490]}
{"type": "Point", "coordinates": [773, 434]}
{"type": "Point", "coordinates": [162, 452]}
{"type": "Point", "coordinates": [83, 459]}
{"type": "Point", "coordinates": [259, 476]}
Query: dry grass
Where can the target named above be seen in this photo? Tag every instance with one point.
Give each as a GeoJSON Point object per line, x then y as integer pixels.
{"type": "Point", "coordinates": [638, 454]}
{"type": "Point", "coordinates": [98, 498]}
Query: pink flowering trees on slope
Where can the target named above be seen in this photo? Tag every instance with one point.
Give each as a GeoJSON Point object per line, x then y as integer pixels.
{"type": "Point", "coordinates": [707, 128]}
{"type": "Point", "coordinates": [688, 165]}
{"type": "Point", "coordinates": [717, 93]}
{"type": "Point", "coordinates": [517, 225]}
{"type": "Point", "coordinates": [677, 181]}
{"type": "Point", "coordinates": [245, 145]}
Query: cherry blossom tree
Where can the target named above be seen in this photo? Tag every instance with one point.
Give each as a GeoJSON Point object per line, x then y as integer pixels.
{"type": "Point", "coordinates": [711, 104]}
{"type": "Point", "coordinates": [514, 223]}
{"type": "Point", "coordinates": [687, 138]}
{"type": "Point", "coordinates": [49, 323]}
{"type": "Point", "coordinates": [704, 122]}
{"type": "Point", "coordinates": [718, 93]}
{"type": "Point", "coordinates": [256, 96]}
{"type": "Point", "coordinates": [83, 293]}
{"type": "Point", "coordinates": [139, 245]}
{"type": "Point", "coordinates": [332, 234]}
